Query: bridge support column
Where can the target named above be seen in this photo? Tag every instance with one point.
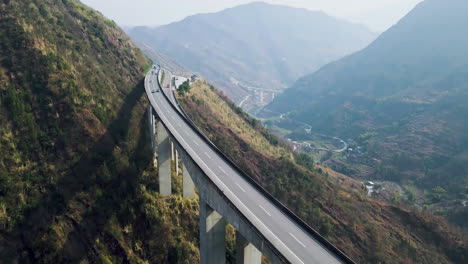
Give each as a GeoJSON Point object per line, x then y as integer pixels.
{"type": "Point", "coordinates": [155, 148]}
{"type": "Point", "coordinates": [176, 162]}
{"type": "Point", "coordinates": [188, 187]}
{"type": "Point", "coordinates": [246, 253]}
{"type": "Point", "coordinates": [212, 236]}
{"type": "Point", "coordinates": [172, 151]}
{"type": "Point", "coordinates": [164, 161]}
{"type": "Point", "coordinates": [151, 127]}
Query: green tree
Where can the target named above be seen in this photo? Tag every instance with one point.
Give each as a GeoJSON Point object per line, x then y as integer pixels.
{"type": "Point", "coordinates": [305, 160]}
{"type": "Point", "coordinates": [184, 88]}
{"type": "Point", "coordinates": [437, 194]}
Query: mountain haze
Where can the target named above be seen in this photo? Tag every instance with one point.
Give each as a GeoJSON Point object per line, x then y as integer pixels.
{"type": "Point", "coordinates": [409, 89]}
{"type": "Point", "coordinates": [257, 44]}
{"type": "Point", "coordinates": [158, 58]}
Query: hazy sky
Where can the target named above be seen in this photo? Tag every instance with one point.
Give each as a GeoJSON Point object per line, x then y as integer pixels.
{"type": "Point", "coordinates": [377, 14]}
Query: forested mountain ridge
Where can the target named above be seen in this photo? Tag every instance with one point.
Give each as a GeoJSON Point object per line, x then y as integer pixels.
{"type": "Point", "coordinates": [257, 44]}
{"type": "Point", "coordinates": [408, 90]}
{"type": "Point", "coordinates": [75, 180]}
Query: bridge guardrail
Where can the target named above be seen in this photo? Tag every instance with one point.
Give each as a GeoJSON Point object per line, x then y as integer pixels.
{"type": "Point", "coordinates": [308, 229]}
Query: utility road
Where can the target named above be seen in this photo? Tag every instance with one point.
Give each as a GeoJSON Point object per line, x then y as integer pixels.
{"type": "Point", "coordinates": [298, 246]}
{"type": "Point", "coordinates": [167, 87]}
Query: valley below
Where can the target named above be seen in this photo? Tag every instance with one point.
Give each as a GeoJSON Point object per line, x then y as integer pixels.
{"type": "Point", "coordinates": [376, 161]}
{"type": "Point", "coordinates": [369, 158]}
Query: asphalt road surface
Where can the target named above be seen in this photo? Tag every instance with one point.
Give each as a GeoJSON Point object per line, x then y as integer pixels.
{"type": "Point", "coordinates": [287, 236]}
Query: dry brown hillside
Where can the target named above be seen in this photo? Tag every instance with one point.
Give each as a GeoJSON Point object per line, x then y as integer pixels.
{"type": "Point", "coordinates": [367, 230]}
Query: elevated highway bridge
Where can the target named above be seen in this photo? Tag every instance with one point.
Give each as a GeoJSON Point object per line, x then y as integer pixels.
{"type": "Point", "coordinates": [227, 194]}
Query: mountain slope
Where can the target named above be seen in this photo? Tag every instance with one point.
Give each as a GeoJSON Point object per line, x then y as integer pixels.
{"type": "Point", "coordinates": [75, 180]}
{"type": "Point", "coordinates": [409, 88]}
{"type": "Point", "coordinates": [160, 59]}
{"type": "Point", "coordinates": [257, 44]}
{"type": "Point", "coordinates": [366, 230]}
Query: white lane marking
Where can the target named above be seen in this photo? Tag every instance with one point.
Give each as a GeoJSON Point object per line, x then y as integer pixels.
{"type": "Point", "coordinates": [227, 191]}
{"type": "Point", "coordinates": [265, 210]}
{"type": "Point", "coordinates": [196, 143]}
{"type": "Point", "coordinates": [179, 124]}
{"type": "Point", "coordinates": [222, 169]}
{"type": "Point", "coordinates": [208, 155]}
{"type": "Point", "coordinates": [186, 133]}
{"type": "Point", "coordinates": [302, 244]}
{"type": "Point", "coordinates": [240, 187]}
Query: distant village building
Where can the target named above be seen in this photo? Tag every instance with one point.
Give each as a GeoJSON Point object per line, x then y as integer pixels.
{"type": "Point", "coordinates": [194, 78]}
{"type": "Point", "coordinates": [178, 81]}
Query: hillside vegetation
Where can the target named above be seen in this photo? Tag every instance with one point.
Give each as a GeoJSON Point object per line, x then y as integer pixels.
{"type": "Point", "coordinates": [256, 44]}
{"type": "Point", "coordinates": [76, 185]}
{"type": "Point", "coordinates": [368, 231]}
{"type": "Point", "coordinates": [403, 99]}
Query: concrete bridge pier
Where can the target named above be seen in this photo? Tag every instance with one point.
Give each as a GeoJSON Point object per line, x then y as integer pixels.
{"type": "Point", "coordinates": [188, 187]}
{"type": "Point", "coordinates": [172, 151]}
{"type": "Point", "coordinates": [164, 160]}
{"type": "Point", "coordinates": [246, 253]}
{"type": "Point", "coordinates": [176, 162]}
{"type": "Point", "coordinates": [155, 147]}
{"type": "Point", "coordinates": [151, 128]}
{"type": "Point", "coordinates": [212, 236]}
